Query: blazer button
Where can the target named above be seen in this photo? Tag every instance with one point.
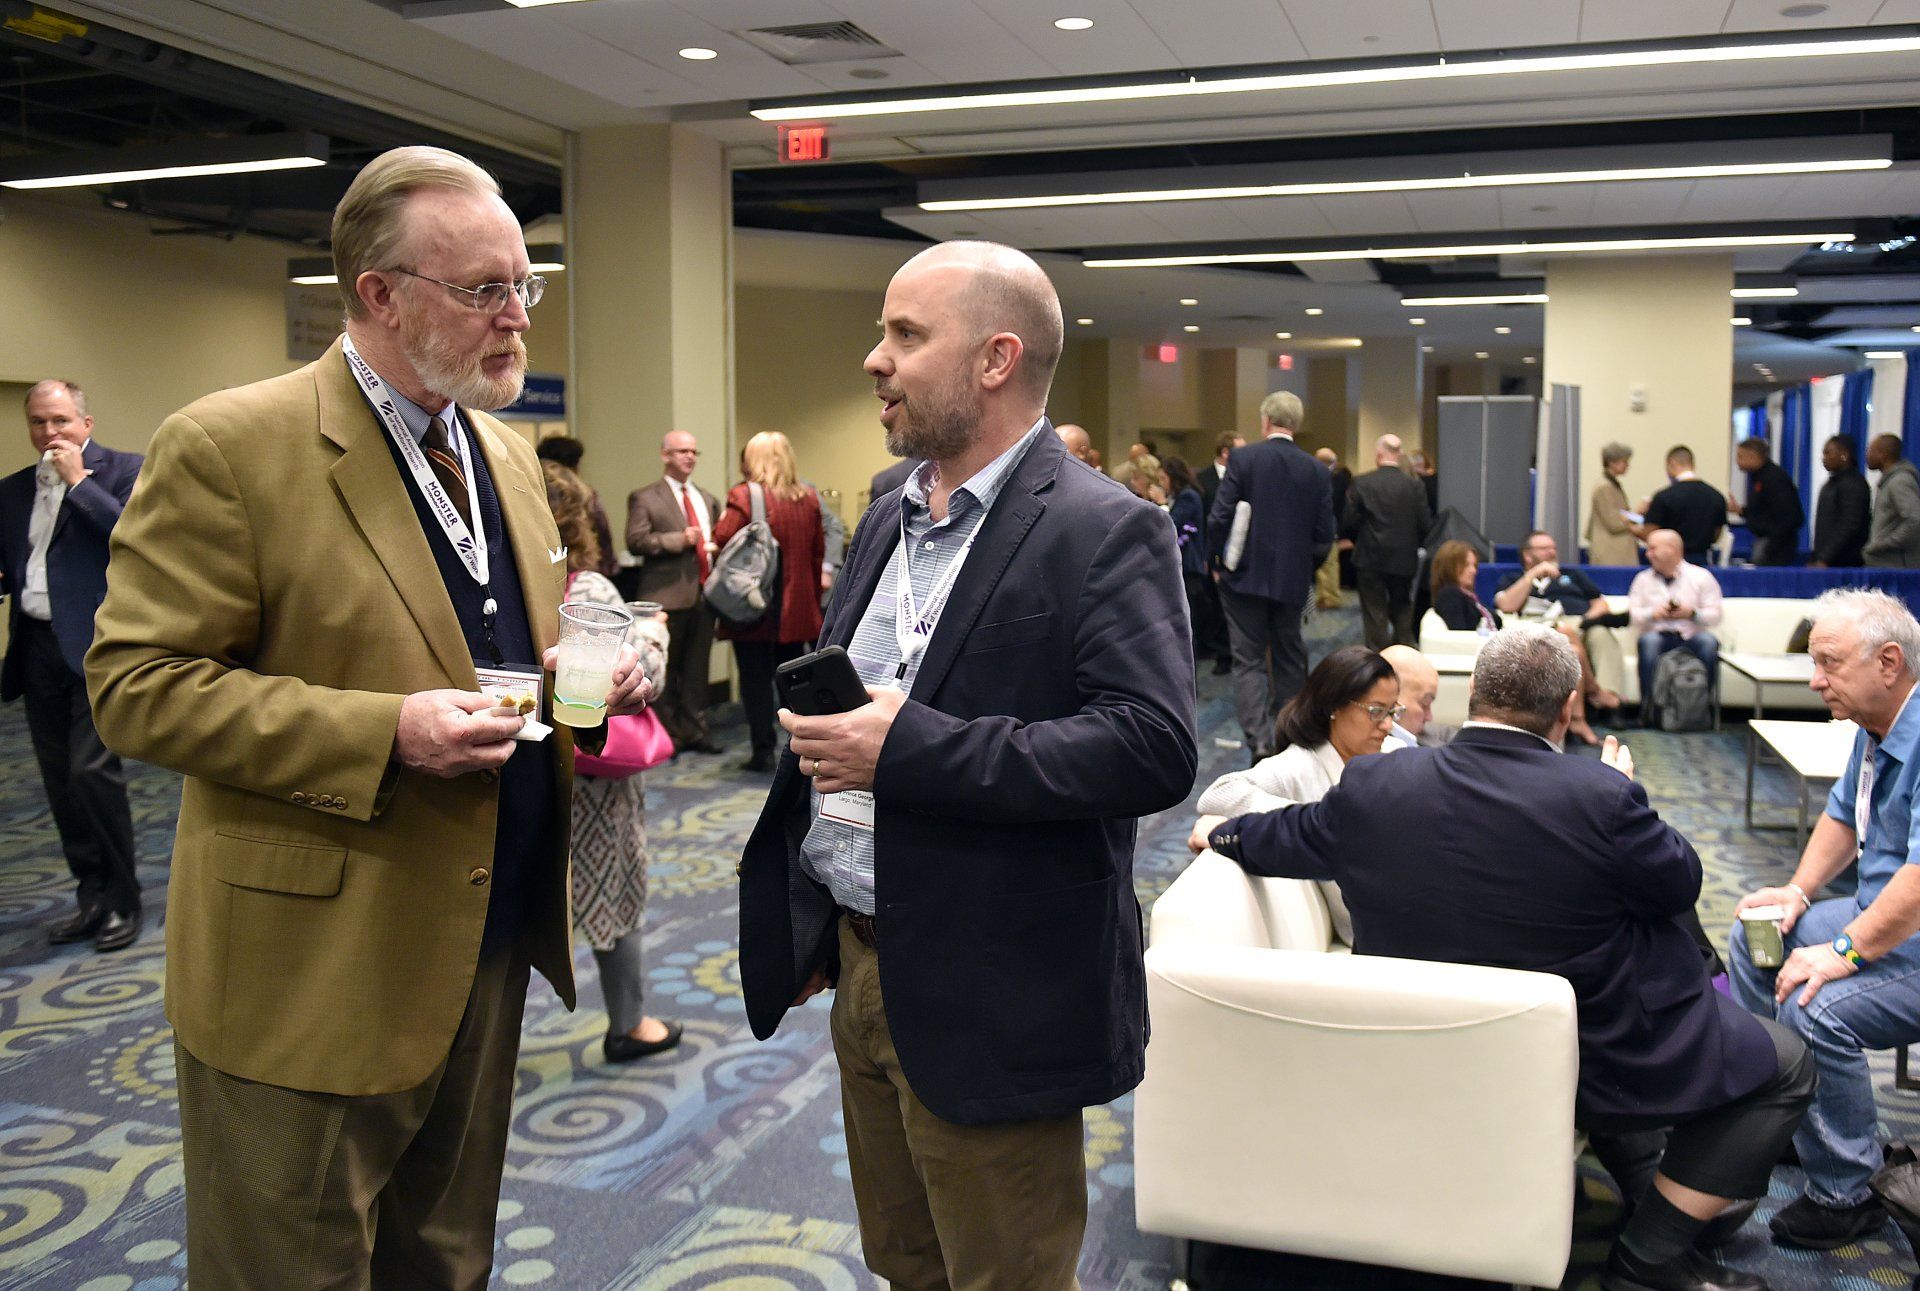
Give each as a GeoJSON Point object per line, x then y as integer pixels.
{"type": "Point", "coordinates": [341, 803]}
{"type": "Point", "coordinates": [300, 798]}
{"type": "Point", "coordinates": [478, 878]}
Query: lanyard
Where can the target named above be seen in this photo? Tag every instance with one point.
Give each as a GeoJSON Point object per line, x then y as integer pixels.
{"type": "Point", "coordinates": [912, 626]}
{"type": "Point", "coordinates": [1863, 797]}
{"type": "Point", "coordinates": [472, 553]}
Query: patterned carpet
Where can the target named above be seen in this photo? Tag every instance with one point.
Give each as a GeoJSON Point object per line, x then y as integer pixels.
{"type": "Point", "coordinates": [722, 1164]}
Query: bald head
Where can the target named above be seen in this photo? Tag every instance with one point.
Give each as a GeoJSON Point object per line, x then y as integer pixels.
{"type": "Point", "coordinates": [1078, 442]}
{"type": "Point", "coordinates": [1386, 450]}
{"type": "Point", "coordinates": [1419, 683]}
{"type": "Point", "coordinates": [997, 290]}
{"type": "Point", "coordinates": [1327, 457]}
{"type": "Point", "coordinates": [1665, 551]}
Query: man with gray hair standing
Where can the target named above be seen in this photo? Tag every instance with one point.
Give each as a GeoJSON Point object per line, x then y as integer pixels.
{"type": "Point", "coordinates": [1387, 518]}
{"type": "Point", "coordinates": [1289, 532]}
{"type": "Point", "coordinates": [1524, 858]}
{"type": "Point", "coordinates": [1851, 980]}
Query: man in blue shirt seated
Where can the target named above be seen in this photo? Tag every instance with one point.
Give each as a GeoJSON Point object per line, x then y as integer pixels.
{"type": "Point", "coordinates": [1543, 588]}
{"type": "Point", "coordinates": [1526, 859]}
{"type": "Point", "coordinates": [1851, 980]}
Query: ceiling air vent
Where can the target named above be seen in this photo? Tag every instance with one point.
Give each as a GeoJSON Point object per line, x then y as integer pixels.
{"type": "Point", "coordinates": [817, 42]}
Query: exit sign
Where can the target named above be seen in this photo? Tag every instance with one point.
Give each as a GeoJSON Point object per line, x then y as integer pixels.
{"type": "Point", "coordinates": [804, 143]}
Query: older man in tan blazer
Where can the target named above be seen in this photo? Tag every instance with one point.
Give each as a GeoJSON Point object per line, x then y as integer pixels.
{"type": "Point", "coordinates": [670, 528]}
{"type": "Point", "coordinates": [367, 860]}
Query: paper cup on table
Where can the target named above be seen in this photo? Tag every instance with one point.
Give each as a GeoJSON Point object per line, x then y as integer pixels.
{"type": "Point", "coordinates": [591, 635]}
{"type": "Point", "coordinates": [1764, 946]}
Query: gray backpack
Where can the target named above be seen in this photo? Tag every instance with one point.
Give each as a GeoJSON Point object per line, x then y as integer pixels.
{"type": "Point", "coordinates": [1682, 693]}
{"type": "Point", "coordinates": [745, 579]}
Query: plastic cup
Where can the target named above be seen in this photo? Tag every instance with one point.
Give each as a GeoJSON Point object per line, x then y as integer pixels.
{"type": "Point", "coordinates": [591, 635]}
{"type": "Point", "coordinates": [1764, 946]}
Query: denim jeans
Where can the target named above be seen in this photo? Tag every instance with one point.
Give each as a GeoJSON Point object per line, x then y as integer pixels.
{"type": "Point", "coordinates": [1876, 1008]}
{"type": "Point", "coordinates": [1653, 644]}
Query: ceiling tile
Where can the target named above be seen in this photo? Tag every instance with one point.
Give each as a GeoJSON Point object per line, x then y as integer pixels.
{"type": "Point", "coordinates": [560, 51]}
{"type": "Point", "coordinates": [1766, 15]}
{"type": "Point", "coordinates": [1364, 28]}
{"type": "Point", "coordinates": [1655, 201]}
{"type": "Point", "coordinates": [1898, 11]}
{"type": "Point", "coordinates": [954, 39]}
{"type": "Point", "coordinates": [1366, 214]}
{"type": "Point", "coordinates": [1285, 217]}
{"type": "Point", "coordinates": [1118, 41]}
{"type": "Point", "coordinates": [1611, 20]}
{"type": "Point", "coordinates": [656, 33]}
{"type": "Point", "coordinates": [1571, 204]}
{"type": "Point", "coordinates": [1224, 33]}
{"type": "Point", "coordinates": [1450, 209]}
{"type": "Point", "coordinates": [1475, 24]}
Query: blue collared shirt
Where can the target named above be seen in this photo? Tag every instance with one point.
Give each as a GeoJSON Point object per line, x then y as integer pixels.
{"type": "Point", "coordinates": [1891, 841]}
{"type": "Point", "coordinates": [840, 855]}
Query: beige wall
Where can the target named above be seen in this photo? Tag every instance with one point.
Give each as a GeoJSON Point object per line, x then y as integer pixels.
{"type": "Point", "coordinates": [1390, 379]}
{"type": "Point", "coordinates": [1655, 324]}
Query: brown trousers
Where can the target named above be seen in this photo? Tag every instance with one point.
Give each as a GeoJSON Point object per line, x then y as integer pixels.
{"type": "Point", "coordinates": [384, 1192]}
{"type": "Point", "coordinates": [947, 1207]}
{"type": "Point", "coordinates": [683, 704]}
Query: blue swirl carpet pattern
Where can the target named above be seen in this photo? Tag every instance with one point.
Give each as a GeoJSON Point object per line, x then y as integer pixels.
{"type": "Point", "coordinates": [721, 1164]}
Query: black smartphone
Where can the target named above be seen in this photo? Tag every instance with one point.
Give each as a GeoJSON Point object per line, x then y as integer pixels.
{"type": "Point", "coordinates": [820, 683]}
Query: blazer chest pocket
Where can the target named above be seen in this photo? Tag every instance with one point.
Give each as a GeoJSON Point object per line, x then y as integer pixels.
{"type": "Point", "coordinates": [276, 865]}
{"type": "Point", "coordinates": [1009, 632]}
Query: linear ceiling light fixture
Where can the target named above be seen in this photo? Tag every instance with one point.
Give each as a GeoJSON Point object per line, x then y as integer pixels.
{"type": "Point", "coordinates": [240, 155]}
{"type": "Point", "coordinates": [1418, 185]}
{"type": "Point", "coordinates": [1435, 68]}
{"type": "Point", "coordinates": [1540, 298]}
{"type": "Point", "coordinates": [1487, 249]}
{"type": "Point", "coordinates": [1765, 293]}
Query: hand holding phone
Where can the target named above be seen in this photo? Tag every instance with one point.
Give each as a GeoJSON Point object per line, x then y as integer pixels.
{"type": "Point", "coordinates": [820, 683]}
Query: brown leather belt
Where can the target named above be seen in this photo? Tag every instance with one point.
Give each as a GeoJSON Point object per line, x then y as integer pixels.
{"type": "Point", "coordinates": [861, 926]}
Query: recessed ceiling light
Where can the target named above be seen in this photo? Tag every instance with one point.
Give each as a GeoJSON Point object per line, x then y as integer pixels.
{"type": "Point", "coordinates": [1886, 354]}
{"type": "Point", "coordinates": [1914, 329]}
{"type": "Point", "coordinates": [1283, 336]}
{"type": "Point", "coordinates": [1418, 322]}
{"type": "Point", "coordinates": [867, 73]}
{"type": "Point", "coordinates": [1601, 175]}
{"type": "Point", "coordinates": [1803, 11]}
{"type": "Point", "coordinates": [1315, 312]}
{"type": "Point", "coordinates": [1765, 293]}
{"type": "Point", "coordinates": [1479, 354]}
{"type": "Point", "coordinates": [1476, 249]}
{"type": "Point", "coordinates": [1528, 358]}
{"type": "Point", "coordinates": [1073, 24]}
{"type": "Point", "coordinates": [1503, 331]}
{"type": "Point", "coordinates": [1191, 327]}
{"type": "Point", "coordinates": [1083, 321]}
{"type": "Point", "coordinates": [698, 53]}
{"type": "Point", "coordinates": [1741, 320]}
{"type": "Point", "coordinates": [1734, 49]}
{"type": "Point", "coordinates": [1426, 349]}
{"type": "Point", "coordinates": [1188, 300]}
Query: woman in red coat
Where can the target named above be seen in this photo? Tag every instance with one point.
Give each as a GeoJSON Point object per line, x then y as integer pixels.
{"type": "Point", "coordinates": [793, 513]}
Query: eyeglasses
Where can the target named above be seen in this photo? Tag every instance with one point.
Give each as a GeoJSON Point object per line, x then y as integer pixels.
{"type": "Point", "coordinates": [1382, 712]}
{"type": "Point", "coordinates": [492, 297]}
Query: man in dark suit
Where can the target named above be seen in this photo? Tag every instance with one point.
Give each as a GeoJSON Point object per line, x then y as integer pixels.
{"type": "Point", "coordinates": [1524, 858]}
{"type": "Point", "coordinates": [1265, 594]}
{"type": "Point", "coordinates": [1216, 641]}
{"type": "Point", "coordinates": [54, 520]}
{"type": "Point", "coordinates": [955, 856]}
{"type": "Point", "coordinates": [1210, 475]}
{"type": "Point", "coordinates": [670, 528]}
{"type": "Point", "coordinates": [1773, 510]}
{"type": "Point", "coordinates": [1843, 515]}
{"type": "Point", "coordinates": [1387, 517]}
{"type": "Point", "coordinates": [1689, 506]}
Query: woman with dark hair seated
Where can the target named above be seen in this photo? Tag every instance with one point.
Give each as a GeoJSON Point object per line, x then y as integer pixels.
{"type": "Point", "coordinates": [1346, 709]}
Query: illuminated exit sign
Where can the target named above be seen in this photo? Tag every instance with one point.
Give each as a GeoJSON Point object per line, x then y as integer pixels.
{"type": "Point", "coordinates": [804, 143]}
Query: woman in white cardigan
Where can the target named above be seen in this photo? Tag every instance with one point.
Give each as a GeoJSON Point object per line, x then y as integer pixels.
{"type": "Point", "coordinates": [1346, 709]}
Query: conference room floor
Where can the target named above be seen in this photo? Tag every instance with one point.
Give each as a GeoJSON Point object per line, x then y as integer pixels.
{"type": "Point", "coordinates": [723, 1162]}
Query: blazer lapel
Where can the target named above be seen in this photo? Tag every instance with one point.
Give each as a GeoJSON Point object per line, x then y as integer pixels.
{"type": "Point", "coordinates": [1020, 504]}
{"type": "Point", "coordinates": [543, 580]}
{"type": "Point", "coordinates": [375, 494]}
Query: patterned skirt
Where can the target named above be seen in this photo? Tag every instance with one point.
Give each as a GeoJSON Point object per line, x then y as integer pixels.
{"type": "Point", "coordinates": [609, 858]}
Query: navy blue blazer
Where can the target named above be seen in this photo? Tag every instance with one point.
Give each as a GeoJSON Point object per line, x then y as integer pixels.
{"type": "Point", "coordinates": [76, 558]}
{"type": "Point", "coordinates": [1055, 706]}
{"type": "Point", "coordinates": [1292, 529]}
{"type": "Point", "coordinates": [1525, 858]}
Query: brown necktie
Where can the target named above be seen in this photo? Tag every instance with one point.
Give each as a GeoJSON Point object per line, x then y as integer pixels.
{"type": "Point", "coordinates": [446, 466]}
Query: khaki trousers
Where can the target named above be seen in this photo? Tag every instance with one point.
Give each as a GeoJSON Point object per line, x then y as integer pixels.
{"type": "Point", "coordinates": [325, 1192]}
{"type": "Point", "coordinates": [1326, 581]}
{"type": "Point", "coordinates": [947, 1207]}
{"type": "Point", "coordinates": [1603, 651]}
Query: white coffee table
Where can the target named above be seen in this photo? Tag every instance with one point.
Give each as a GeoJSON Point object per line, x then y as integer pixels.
{"type": "Point", "coordinates": [1809, 750]}
{"type": "Point", "coordinates": [1765, 670]}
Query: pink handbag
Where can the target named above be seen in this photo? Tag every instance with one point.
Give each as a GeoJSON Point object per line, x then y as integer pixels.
{"type": "Point", "coordinates": [635, 743]}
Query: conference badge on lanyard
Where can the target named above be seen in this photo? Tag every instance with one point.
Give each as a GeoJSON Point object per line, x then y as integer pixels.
{"type": "Point", "coordinates": [913, 626]}
{"type": "Point", "coordinates": [1863, 798]}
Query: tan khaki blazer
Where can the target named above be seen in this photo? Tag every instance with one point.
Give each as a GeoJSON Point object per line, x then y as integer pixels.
{"type": "Point", "coordinates": [657, 534]}
{"type": "Point", "coordinates": [271, 598]}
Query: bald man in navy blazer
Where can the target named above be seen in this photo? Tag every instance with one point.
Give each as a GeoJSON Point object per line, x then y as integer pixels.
{"type": "Point", "coordinates": [55, 570]}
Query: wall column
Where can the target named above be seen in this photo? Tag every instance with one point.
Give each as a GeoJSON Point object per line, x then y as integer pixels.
{"type": "Point", "coordinates": [1650, 344]}
{"type": "Point", "coordinates": [1390, 377]}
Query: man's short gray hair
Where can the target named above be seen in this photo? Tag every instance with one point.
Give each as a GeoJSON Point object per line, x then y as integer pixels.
{"type": "Point", "coordinates": [1283, 409]}
{"type": "Point", "coordinates": [1879, 618]}
{"type": "Point", "coordinates": [72, 391]}
{"type": "Point", "coordinates": [1523, 676]}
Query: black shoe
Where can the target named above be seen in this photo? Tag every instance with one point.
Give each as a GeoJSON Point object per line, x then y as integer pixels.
{"type": "Point", "coordinates": [618, 1047]}
{"type": "Point", "coordinates": [1690, 1271]}
{"type": "Point", "coordinates": [1222, 666]}
{"type": "Point", "coordinates": [1805, 1222]}
{"type": "Point", "coordinates": [118, 932]}
{"type": "Point", "coordinates": [703, 746]}
{"type": "Point", "coordinates": [1722, 1228]}
{"type": "Point", "coordinates": [78, 926]}
{"type": "Point", "coordinates": [762, 760]}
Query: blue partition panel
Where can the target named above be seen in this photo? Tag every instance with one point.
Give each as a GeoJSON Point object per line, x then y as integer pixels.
{"type": "Point", "coordinates": [1799, 584]}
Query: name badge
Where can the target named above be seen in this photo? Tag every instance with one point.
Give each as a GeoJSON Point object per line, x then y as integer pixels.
{"type": "Point", "coordinates": [851, 807]}
{"type": "Point", "coordinates": [518, 687]}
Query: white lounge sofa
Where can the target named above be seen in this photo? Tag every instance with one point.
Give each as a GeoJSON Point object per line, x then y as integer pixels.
{"type": "Point", "coordinates": [1391, 1112]}
{"type": "Point", "coordinates": [1758, 623]}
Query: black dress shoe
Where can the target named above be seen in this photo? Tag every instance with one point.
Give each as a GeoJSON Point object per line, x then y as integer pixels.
{"type": "Point", "coordinates": [118, 932]}
{"type": "Point", "coordinates": [1222, 666]}
{"type": "Point", "coordinates": [1805, 1222]}
{"type": "Point", "coordinates": [1690, 1271]}
{"type": "Point", "coordinates": [78, 926]}
{"type": "Point", "coordinates": [1722, 1227]}
{"type": "Point", "coordinates": [620, 1047]}
{"type": "Point", "coordinates": [762, 760]}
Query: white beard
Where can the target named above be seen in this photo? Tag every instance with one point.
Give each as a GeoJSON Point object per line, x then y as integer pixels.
{"type": "Point", "coordinates": [460, 377]}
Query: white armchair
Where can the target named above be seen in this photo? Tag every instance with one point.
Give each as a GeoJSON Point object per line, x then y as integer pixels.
{"type": "Point", "coordinates": [1392, 1112]}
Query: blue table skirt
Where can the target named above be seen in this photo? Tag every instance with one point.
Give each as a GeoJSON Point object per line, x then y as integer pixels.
{"type": "Point", "coordinates": [1796, 584]}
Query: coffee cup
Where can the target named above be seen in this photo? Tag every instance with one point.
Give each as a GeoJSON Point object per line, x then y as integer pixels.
{"type": "Point", "coordinates": [1762, 923]}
